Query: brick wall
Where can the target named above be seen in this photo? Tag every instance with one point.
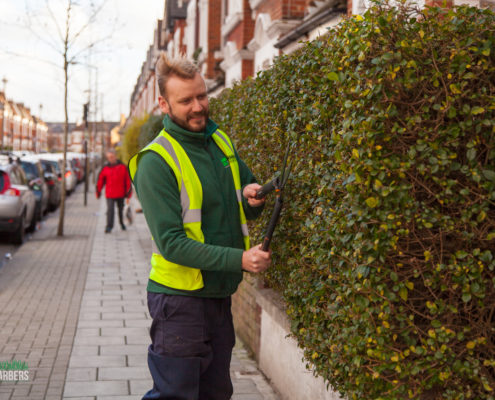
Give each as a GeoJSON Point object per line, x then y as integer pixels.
{"type": "Point", "coordinates": [247, 314]}
{"type": "Point", "coordinates": [214, 40]}
{"type": "Point", "coordinates": [247, 25]}
{"type": "Point", "coordinates": [271, 7]}
{"type": "Point", "coordinates": [247, 68]}
{"type": "Point", "coordinates": [294, 8]}
{"type": "Point", "coordinates": [236, 35]}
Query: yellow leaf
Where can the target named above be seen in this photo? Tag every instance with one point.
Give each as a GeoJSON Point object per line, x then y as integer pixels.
{"type": "Point", "coordinates": [371, 202]}
{"type": "Point", "coordinates": [454, 89]}
{"type": "Point", "coordinates": [487, 387]}
{"type": "Point", "coordinates": [477, 110]}
{"type": "Point", "coordinates": [443, 375]}
{"type": "Point", "coordinates": [421, 34]}
{"type": "Point", "coordinates": [358, 17]}
{"type": "Point", "coordinates": [427, 255]}
{"type": "Point", "coordinates": [355, 153]}
{"type": "Point", "coordinates": [409, 285]}
{"type": "Point", "coordinates": [470, 345]}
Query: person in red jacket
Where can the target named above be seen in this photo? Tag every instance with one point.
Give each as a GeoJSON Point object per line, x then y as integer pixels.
{"type": "Point", "coordinates": [118, 186]}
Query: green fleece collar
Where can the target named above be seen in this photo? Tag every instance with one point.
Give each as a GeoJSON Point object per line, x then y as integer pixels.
{"type": "Point", "coordinates": [175, 130]}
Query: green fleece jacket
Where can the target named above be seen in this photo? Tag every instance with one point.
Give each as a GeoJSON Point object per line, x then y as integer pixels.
{"type": "Point", "coordinates": [220, 257]}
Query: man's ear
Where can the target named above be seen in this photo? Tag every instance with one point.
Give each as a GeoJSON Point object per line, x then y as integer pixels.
{"type": "Point", "coordinates": [163, 104]}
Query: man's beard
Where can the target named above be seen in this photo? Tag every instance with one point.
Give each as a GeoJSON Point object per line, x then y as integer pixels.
{"type": "Point", "coordinates": [185, 123]}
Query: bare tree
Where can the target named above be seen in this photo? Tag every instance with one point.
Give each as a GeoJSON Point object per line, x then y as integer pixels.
{"type": "Point", "coordinates": [71, 41]}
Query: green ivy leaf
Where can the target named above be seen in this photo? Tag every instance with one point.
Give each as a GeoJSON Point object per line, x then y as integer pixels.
{"type": "Point", "coordinates": [371, 202]}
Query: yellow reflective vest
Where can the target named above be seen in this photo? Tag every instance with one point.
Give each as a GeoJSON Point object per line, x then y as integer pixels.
{"type": "Point", "coordinates": [166, 272]}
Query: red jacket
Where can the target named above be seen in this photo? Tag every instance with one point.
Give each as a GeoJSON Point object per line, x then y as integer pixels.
{"type": "Point", "coordinates": [117, 179]}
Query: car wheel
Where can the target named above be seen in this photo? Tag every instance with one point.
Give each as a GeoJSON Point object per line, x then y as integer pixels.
{"type": "Point", "coordinates": [18, 237]}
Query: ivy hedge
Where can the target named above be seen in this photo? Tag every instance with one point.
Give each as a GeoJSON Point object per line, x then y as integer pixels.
{"type": "Point", "coordinates": [385, 250]}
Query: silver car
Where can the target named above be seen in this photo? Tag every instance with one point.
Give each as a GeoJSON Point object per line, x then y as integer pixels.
{"type": "Point", "coordinates": [17, 201]}
{"type": "Point", "coordinates": [70, 176]}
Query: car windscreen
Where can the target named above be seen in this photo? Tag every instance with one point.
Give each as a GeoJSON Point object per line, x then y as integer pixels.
{"type": "Point", "coordinates": [30, 170]}
{"type": "Point", "coordinates": [54, 164]}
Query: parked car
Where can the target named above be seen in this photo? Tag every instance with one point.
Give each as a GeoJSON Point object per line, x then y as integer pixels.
{"type": "Point", "coordinates": [70, 176]}
{"type": "Point", "coordinates": [77, 162]}
{"type": "Point", "coordinates": [36, 179]}
{"type": "Point", "coordinates": [17, 201]}
{"type": "Point", "coordinates": [53, 179]}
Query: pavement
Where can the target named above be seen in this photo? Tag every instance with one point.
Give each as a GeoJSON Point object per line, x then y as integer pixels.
{"type": "Point", "coordinates": [74, 309]}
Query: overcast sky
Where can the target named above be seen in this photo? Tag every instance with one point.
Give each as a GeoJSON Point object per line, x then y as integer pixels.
{"type": "Point", "coordinates": [33, 67]}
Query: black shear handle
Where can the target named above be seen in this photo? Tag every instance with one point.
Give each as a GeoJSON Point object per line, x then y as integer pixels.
{"type": "Point", "coordinates": [266, 188]}
{"type": "Point", "coordinates": [272, 224]}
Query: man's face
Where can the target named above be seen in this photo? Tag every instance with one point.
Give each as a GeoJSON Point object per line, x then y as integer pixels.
{"type": "Point", "coordinates": [112, 158]}
{"type": "Point", "coordinates": [186, 102]}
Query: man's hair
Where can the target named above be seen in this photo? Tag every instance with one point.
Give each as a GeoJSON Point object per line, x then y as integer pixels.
{"type": "Point", "coordinates": [166, 68]}
{"type": "Point", "coordinates": [111, 151]}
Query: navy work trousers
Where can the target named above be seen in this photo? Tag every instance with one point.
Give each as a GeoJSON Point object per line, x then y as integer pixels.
{"type": "Point", "coordinates": [191, 348]}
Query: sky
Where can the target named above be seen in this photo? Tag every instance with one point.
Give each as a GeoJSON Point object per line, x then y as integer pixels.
{"type": "Point", "coordinates": [32, 64]}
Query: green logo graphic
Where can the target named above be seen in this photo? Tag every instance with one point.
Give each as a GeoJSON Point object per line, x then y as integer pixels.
{"type": "Point", "coordinates": [14, 371]}
{"type": "Point", "coordinates": [225, 162]}
{"type": "Point", "coordinates": [13, 365]}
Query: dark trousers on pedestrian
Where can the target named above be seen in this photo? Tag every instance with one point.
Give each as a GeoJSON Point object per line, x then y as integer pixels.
{"type": "Point", "coordinates": [191, 348]}
{"type": "Point", "coordinates": [111, 210]}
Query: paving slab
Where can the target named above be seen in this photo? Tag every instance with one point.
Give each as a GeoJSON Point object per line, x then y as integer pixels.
{"type": "Point", "coordinates": [84, 328]}
{"type": "Point", "coordinates": [115, 292]}
{"type": "Point", "coordinates": [41, 291]}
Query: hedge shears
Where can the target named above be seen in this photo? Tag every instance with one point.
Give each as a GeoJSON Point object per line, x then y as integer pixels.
{"type": "Point", "coordinates": [277, 184]}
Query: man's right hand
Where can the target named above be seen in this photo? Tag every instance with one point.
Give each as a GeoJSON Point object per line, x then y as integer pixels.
{"type": "Point", "coordinates": [256, 260]}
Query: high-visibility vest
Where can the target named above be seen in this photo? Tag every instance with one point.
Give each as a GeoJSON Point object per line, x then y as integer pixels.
{"type": "Point", "coordinates": [166, 272]}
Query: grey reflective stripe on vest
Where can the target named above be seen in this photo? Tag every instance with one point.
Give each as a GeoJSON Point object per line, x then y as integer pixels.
{"type": "Point", "coordinates": [188, 215]}
{"type": "Point", "coordinates": [244, 229]}
{"type": "Point", "coordinates": [238, 193]}
{"type": "Point", "coordinates": [225, 140]}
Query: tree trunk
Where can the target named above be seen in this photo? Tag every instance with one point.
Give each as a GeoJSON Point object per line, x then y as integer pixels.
{"type": "Point", "coordinates": [60, 231]}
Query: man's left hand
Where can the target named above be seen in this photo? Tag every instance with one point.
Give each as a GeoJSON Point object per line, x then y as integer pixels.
{"type": "Point", "coordinates": [249, 193]}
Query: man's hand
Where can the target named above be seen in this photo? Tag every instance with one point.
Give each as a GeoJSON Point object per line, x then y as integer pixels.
{"type": "Point", "coordinates": [249, 193]}
{"type": "Point", "coordinates": [127, 200]}
{"type": "Point", "coordinates": [98, 195]}
{"type": "Point", "coordinates": [256, 260]}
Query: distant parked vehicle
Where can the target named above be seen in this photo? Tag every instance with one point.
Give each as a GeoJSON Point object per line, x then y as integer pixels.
{"type": "Point", "coordinates": [53, 179]}
{"type": "Point", "coordinates": [77, 162]}
{"type": "Point", "coordinates": [70, 176]}
{"type": "Point", "coordinates": [36, 179]}
{"type": "Point", "coordinates": [17, 201]}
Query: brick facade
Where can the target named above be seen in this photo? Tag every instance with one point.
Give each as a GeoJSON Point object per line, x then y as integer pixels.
{"type": "Point", "coordinates": [19, 129]}
{"type": "Point", "coordinates": [214, 39]}
{"type": "Point", "coordinates": [247, 313]}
